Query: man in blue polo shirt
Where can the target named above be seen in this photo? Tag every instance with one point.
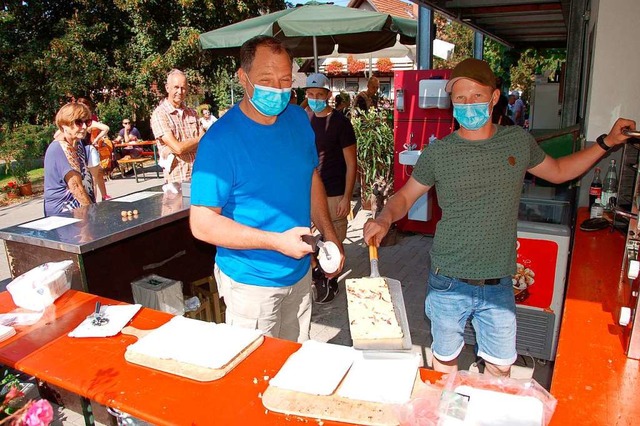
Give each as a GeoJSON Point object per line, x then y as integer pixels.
{"type": "Point", "coordinates": [254, 192]}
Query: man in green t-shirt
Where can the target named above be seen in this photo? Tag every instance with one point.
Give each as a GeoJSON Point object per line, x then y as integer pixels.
{"type": "Point", "coordinates": [478, 171]}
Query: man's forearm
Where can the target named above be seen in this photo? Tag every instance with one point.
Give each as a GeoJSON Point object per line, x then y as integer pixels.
{"type": "Point", "coordinates": [394, 210]}
{"type": "Point", "coordinates": [320, 210]}
{"type": "Point", "coordinates": [224, 232]}
{"type": "Point", "coordinates": [183, 147]}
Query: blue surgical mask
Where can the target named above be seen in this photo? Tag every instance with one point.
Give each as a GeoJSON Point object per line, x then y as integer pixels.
{"type": "Point", "coordinates": [471, 116]}
{"type": "Point", "coordinates": [269, 101]}
{"type": "Point", "coordinates": [317, 105]}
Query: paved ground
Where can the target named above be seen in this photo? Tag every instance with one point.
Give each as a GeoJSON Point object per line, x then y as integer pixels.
{"type": "Point", "coordinates": [406, 261]}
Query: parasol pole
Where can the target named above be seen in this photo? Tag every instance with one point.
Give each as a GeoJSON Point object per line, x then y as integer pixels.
{"type": "Point", "coordinates": [315, 54]}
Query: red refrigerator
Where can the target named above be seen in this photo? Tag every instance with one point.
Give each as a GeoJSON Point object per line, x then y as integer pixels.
{"type": "Point", "coordinates": [422, 112]}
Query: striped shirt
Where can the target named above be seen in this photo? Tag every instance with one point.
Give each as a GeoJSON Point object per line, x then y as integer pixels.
{"type": "Point", "coordinates": [183, 124]}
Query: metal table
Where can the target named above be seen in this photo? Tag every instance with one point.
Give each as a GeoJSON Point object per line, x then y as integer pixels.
{"type": "Point", "coordinates": [109, 251]}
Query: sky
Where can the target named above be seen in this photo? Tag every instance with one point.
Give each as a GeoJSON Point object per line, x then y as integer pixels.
{"type": "Point", "coordinates": [340, 2]}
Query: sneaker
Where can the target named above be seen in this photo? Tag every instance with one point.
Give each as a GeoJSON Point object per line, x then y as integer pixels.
{"type": "Point", "coordinates": [106, 197]}
{"type": "Point", "coordinates": [324, 290]}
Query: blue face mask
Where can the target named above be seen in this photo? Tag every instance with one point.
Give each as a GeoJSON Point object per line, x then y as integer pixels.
{"type": "Point", "coordinates": [269, 101]}
{"type": "Point", "coordinates": [317, 105]}
{"type": "Point", "coordinates": [471, 116]}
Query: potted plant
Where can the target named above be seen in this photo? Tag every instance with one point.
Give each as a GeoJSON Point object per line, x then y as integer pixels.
{"type": "Point", "coordinates": [375, 157]}
{"type": "Point", "coordinates": [20, 171]}
{"type": "Point", "coordinates": [11, 189]}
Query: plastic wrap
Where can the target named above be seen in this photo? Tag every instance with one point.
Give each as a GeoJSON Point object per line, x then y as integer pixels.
{"type": "Point", "coordinates": [41, 286]}
{"type": "Point", "coordinates": [466, 398]}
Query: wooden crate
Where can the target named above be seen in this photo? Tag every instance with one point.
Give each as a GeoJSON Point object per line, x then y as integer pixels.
{"type": "Point", "coordinates": [206, 288]}
{"type": "Point", "coordinates": [203, 313]}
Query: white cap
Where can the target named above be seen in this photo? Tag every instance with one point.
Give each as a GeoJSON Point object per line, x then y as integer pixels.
{"type": "Point", "coordinates": [317, 81]}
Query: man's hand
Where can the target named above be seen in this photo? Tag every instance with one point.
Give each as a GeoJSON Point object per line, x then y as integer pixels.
{"type": "Point", "coordinates": [374, 231]}
{"type": "Point", "coordinates": [615, 136]}
{"type": "Point", "coordinates": [343, 207]}
{"type": "Point", "coordinates": [290, 243]}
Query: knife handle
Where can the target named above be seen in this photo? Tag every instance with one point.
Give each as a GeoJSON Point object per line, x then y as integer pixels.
{"type": "Point", "coordinates": [373, 252]}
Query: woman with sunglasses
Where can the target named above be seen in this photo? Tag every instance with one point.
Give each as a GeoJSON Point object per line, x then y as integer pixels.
{"type": "Point", "coordinates": [68, 184]}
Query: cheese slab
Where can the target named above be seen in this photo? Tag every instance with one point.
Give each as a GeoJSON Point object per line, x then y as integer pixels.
{"type": "Point", "coordinates": [372, 314]}
{"type": "Point", "coordinates": [316, 368]}
{"type": "Point", "coordinates": [191, 348]}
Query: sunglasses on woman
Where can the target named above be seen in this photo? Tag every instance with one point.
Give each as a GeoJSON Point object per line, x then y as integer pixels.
{"type": "Point", "coordinates": [79, 122]}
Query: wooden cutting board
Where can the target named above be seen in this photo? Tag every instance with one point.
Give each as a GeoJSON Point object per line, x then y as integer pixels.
{"type": "Point", "coordinates": [190, 371]}
{"type": "Point", "coordinates": [332, 407]}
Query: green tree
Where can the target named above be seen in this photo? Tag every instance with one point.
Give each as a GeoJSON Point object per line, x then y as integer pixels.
{"type": "Point", "coordinates": [52, 50]}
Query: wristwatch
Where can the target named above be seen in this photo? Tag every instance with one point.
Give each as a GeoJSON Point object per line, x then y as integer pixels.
{"type": "Point", "coordinates": [600, 142]}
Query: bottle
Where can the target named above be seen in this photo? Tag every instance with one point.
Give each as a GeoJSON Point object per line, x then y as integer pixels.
{"type": "Point", "coordinates": [610, 187]}
{"type": "Point", "coordinates": [597, 210]}
{"type": "Point", "coordinates": [595, 190]}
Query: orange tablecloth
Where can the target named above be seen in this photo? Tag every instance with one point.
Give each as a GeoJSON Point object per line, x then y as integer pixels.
{"type": "Point", "coordinates": [96, 368]}
{"type": "Point", "coordinates": [593, 380]}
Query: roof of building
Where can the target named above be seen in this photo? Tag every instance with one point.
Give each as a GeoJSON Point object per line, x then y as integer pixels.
{"type": "Point", "coordinates": [398, 8]}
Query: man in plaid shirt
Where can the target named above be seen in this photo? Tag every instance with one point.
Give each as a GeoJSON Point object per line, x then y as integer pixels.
{"type": "Point", "coordinates": [177, 130]}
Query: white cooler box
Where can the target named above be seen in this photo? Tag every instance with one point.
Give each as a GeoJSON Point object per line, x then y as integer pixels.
{"type": "Point", "coordinates": [159, 293]}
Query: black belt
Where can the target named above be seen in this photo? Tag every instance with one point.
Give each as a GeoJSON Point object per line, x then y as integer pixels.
{"type": "Point", "coordinates": [490, 281]}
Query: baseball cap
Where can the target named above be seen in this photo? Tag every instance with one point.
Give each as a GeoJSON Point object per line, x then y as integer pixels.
{"type": "Point", "coordinates": [473, 69]}
{"type": "Point", "coordinates": [318, 81]}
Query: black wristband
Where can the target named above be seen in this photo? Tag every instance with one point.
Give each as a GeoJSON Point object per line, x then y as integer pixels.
{"type": "Point", "coordinates": [600, 142]}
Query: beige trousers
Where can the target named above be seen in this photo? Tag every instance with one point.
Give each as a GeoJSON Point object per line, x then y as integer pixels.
{"type": "Point", "coordinates": [340, 224]}
{"type": "Point", "coordinates": [283, 312]}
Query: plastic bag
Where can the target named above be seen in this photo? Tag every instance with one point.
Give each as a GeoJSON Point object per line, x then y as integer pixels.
{"type": "Point", "coordinates": [422, 409]}
{"type": "Point", "coordinates": [481, 399]}
{"type": "Point", "coordinates": [467, 398]}
{"type": "Point", "coordinates": [41, 286]}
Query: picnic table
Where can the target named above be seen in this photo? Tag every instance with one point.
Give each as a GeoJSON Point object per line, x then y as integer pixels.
{"type": "Point", "coordinates": [136, 163]}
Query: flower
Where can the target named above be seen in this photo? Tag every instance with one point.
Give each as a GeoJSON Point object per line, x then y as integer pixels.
{"type": "Point", "coordinates": [39, 413]}
{"type": "Point", "coordinates": [11, 188]}
{"type": "Point", "coordinates": [15, 412]}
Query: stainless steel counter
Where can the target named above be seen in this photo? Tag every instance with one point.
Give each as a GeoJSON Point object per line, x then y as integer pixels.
{"type": "Point", "coordinates": [102, 224]}
{"type": "Point", "coordinates": [109, 252]}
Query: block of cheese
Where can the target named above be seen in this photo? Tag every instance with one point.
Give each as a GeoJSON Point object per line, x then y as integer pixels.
{"type": "Point", "coordinates": [372, 316]}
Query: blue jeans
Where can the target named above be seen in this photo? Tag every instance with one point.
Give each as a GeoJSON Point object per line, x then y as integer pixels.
{"type": "Point", "coordinates": [492, 309]}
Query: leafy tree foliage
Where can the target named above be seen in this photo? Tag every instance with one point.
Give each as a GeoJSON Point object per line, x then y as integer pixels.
{"type": "Point", "coordinates": [117, 52]}
{"type": "Point", "coordinates": [516, 68]}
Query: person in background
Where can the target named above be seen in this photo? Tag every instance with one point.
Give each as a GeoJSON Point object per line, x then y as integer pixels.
{"type": "Point", "coordinates": [128, 133]}
{"type": "Point", "coordinates": [336, 145]}
{"type": "Point", "coordinates": [96, 132]}
{"type": "Point", "coordinates": [342, 103]}
{"type": "Point", "coordinates": [499, 114]}
{"type": "Point", "coordinates": [207, 119]}
{"type": "Point", "coordinates": [516, 109]}
{"type": "Point", "coordinates": [478, 172]}
{"type": "Point", "coordinates": [368, 98]}
{"type": "Point", "coordinates": [68, 184]}
{"type": "Point", "coordinates": [254, 193]}
{"type": "Point", "coordinates": [177, 130]}
{"type": "Point", "coordinates": [294, 97]}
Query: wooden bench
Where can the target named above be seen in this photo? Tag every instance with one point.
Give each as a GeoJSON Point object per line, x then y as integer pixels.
{"type": "Point", "coordinates": [135, 163]}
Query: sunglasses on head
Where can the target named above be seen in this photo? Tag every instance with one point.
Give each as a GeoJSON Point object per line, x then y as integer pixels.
{"type": "Point", "coordinates": [79, 122]}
